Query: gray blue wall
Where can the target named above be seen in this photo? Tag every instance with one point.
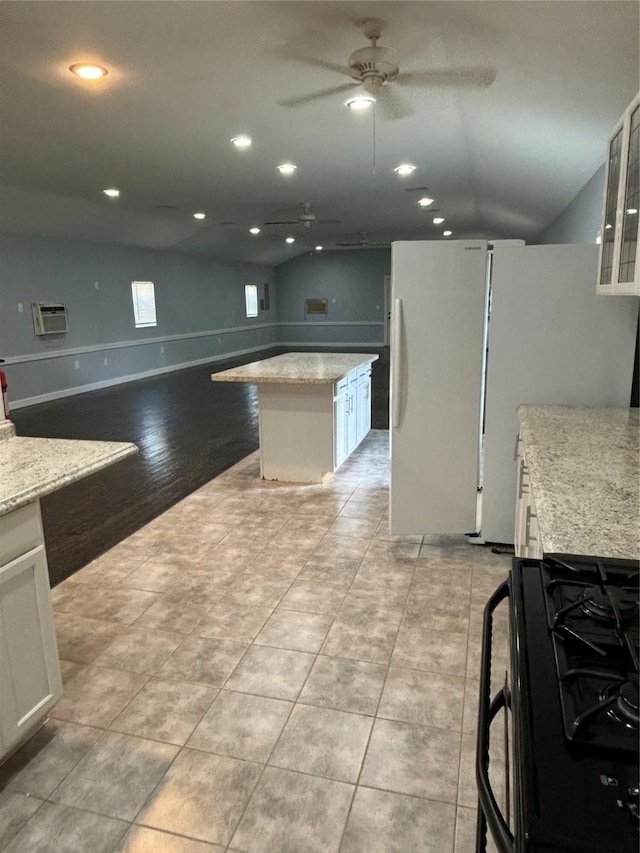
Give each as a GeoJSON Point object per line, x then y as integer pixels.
{"type": "Point", "coordinates": [200, 305]}
{"type": "Point", "coordinates": [581, 220]}
{"type": "Point", "coordinates": [200, 311]}
{"type": "Point", "coordinates": [352, 281]}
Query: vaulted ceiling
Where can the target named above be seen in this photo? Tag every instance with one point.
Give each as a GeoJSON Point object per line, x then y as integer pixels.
{"type": "Point", "coordinates": [512, 115]}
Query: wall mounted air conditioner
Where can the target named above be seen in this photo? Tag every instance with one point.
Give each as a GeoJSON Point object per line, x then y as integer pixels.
{"type": "Point", "coordinates": [49, 319]}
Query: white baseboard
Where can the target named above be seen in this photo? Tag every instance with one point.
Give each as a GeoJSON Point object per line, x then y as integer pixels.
{"type": "Point", "coordinates": [130, 377]}
{"type": "Point", "coordinates": [145, 374]}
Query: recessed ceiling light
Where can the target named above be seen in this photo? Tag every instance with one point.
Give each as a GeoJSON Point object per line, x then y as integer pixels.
{"type": "Point", "coordinates": [632, 210]}
{"type": "Point", "coordinates": [447, 233]}
{"type": "Point", "coordinates": [254, 230]}
{"type": "Point", "coordinates": [112, 192]}
{"type": "Point", "coordinates": [360, 103]}
{"type": "Point", "coordinates": [287, 168]}
{"type": "Point", "coordinates": [404, 169]}
{"type": "Point", "coordinates": [290, 240]}
{"type": "Point", "coordinates": [319, 248]}
{"type": "Point", "coordinates": [200, 215]}
{"type": "Point", "coordinates": [88, 72]}
{"type": "Point", "coordinates": [242, 142]}
{"type": "Point", "coordinates": [425, 201]}
{"type": "Point", "coordinates": [438, 220]}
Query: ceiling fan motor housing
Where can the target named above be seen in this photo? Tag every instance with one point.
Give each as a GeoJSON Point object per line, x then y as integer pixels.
{"type": "Point", "coordinates": [373, 66]}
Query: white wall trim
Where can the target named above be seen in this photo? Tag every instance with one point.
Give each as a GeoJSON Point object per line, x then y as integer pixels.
{"type": "Point", "coordinates": [321, 344]}
{"type": "Point", "coordinates": [331, 323]}
{"type": "Point", "coordinates": [61, 353]}
{"type": "Point", "coordinates": [131, 377]}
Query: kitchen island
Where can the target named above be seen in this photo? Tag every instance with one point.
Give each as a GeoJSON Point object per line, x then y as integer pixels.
{"type": "Point", "coordinates": [31, 468]}
{"type": "Point", "coordinates": [579, 482]}
{"type": "Point", "coordinates": [314, 409]}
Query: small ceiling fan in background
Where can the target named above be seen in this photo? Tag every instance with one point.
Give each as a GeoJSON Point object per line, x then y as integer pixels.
{"type": "Point", "coordinates": [305, 217]}
{"type": "Point", "coordinates": [361, 241]}
{"type": "Point", "coordinates": [375, 71]}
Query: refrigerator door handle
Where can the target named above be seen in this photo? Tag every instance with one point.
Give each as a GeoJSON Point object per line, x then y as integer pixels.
{"type": "Point", "coordinates": [397, 373]}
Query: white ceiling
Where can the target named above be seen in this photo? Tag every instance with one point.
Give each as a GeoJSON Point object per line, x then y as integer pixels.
{"type": "Point", "coordinates": [184, 77]}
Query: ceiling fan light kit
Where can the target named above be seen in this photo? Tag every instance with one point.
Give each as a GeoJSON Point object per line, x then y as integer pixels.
{"type": "Point", "coordinates": [287, 168]}
{"type": "Point", "coordinates": [425, 201]}
{"type": "Point", "coordinates": [360, 103]}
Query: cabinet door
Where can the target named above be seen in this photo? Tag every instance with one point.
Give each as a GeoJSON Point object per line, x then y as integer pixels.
{"type": "Point", "coordinates": [627, 272]}
{"type": "Point", "coordinates": [519, 535]}
{"type": "Point", "coordinates": [30, 681]}
{"type": "Point", "coordinates": [619, 256]}
{"type": "Point", "coordinates": [527, 540]}
{"type": "Point", "coordinates": [363, 407]}
{"type": "Point", "coordinates": [352, 421]}
{"type": "Point", "coordinates": [340, 415]}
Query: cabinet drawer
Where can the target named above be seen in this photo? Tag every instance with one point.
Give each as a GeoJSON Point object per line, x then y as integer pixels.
{"type": "Point", "coordinates": [341, 385]}
{"type": "Point", "coordinates": [20, 531]}
{"type": "Point", "coordinates": [364, 370]}
{"type": "Point", "coordinates": [353, 377]}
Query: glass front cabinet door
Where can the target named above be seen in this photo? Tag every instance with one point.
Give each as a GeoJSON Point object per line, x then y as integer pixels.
{"type": "Point", "coordinates": [619, 263]}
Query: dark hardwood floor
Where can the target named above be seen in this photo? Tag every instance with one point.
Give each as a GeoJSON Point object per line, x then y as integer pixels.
{"type": "Point", "coordinates": [188, 430]}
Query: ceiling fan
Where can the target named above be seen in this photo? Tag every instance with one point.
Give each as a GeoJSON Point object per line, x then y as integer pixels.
{"type": "Point", "coordinates": [374, 69]}
{"type": "Point", "coordinates": [362, 242]}
{"type": "Point", "coordinates": [305, 217]}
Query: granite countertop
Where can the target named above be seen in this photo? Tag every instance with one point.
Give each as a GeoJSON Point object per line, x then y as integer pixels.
{"type": "Point", "coordinates": [297, 368]}
{"type": "Point", "coordinates": [585, 478]}
{"type": "Point", "coordinates": [33, 467]}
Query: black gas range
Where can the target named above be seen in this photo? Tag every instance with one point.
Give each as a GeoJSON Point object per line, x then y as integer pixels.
{"type": "Point", "coordinates": [572, 705]}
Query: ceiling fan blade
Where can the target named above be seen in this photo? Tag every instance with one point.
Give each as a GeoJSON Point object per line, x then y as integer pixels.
{"type": "Point", "coordinates": [329, 221]}
{"type": "Point", "coordinates": [284, 222]}
{"type": "Point", "coordinates": [391, 104]}
{"type": "Point", "coordinates": [470, 78]}
{"type": "Point", "coordinates": [314, 62]}
{"type": "Point", "coordinates": [300, 100]}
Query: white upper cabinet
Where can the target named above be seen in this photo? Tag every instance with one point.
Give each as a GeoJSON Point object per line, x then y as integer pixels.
{"type": "Point", "coordinates": [619, 262]}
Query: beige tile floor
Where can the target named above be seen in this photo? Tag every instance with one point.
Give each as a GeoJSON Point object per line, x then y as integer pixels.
{"type": "Point", "coordinates": [263, 669]}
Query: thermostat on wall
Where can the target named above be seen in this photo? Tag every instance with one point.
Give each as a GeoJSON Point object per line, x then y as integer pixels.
{"type": "Point", "coordinates": [49, 319]}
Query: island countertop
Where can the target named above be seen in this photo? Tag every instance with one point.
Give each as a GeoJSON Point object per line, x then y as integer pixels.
{"type": "Point", "coordinates": [31, 468]}
{"type": "Point", "coordinates": [301, 368]}
{"type": "Point", "coordinates": [585, 478]}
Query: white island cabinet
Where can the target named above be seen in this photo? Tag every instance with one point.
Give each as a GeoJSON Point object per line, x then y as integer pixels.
{"type": "Point", "coordinates": [30, 682]}
{"type": "Point", "coordinates": [314, 408]}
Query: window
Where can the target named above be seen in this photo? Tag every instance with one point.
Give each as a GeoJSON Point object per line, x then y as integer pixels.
{"type": "Point", "coordinates": [251, 299]}
{"type": "Point", "coordinates": [144, 303]}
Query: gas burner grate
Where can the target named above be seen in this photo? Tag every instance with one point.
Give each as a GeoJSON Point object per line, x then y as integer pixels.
{"type": "Point", "coordinates": [592, 613]}
{"type": "Point", "coordinates": [618, 699]}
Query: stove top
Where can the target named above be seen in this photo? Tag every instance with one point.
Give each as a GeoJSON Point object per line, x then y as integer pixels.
{"type": "Point", "coordinates": [575, 649]}
{"type": "Point", "coordinates": [592, 612]}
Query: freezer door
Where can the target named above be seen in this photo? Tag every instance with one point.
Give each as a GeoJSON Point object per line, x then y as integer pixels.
{"type": "Point", "coordinates": [438, 292]}
{"type": "Point", "coordinates": [552, 341]}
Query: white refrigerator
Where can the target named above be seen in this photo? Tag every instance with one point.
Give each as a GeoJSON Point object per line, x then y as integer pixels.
{"type": "Point", "coordinates": [459, 371]}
